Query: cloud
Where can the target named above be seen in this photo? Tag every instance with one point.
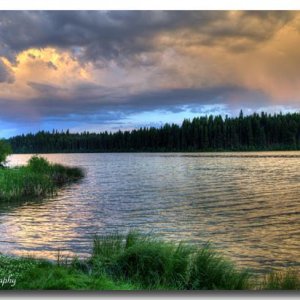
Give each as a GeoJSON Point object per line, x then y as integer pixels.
{"type": "Point", "coordinates": [112, 103]}
{"type": "Point", "coordinates": [98, 35]}
{"type": "Point", "coordinates": [42, 72]}
{"type": "Point", "coordinates": [84, 65]}
{"type": "Point", "coordinates": [45, 89]}
{"type": "Point", "coordinates": [6, 74]}
{"type": "Point", "coordinates": [51, 65]}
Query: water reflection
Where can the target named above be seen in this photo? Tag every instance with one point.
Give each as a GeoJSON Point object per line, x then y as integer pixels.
{"type": "Point", "coordinates": [247, 205]}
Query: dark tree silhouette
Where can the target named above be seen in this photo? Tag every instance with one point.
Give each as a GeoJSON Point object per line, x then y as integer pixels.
{"type": "Point", "coordinates": [210, 133]}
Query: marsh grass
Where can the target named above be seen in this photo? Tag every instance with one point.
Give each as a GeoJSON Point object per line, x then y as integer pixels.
{"type": "Point", "coordinates": [209, 270]}
{"type": "Point", "coordinates": [38, 178]}
{"type": "Point", "coordinates": [137, 262]}
{"type": "Point", "coordinates": [154, 264]}
{"type": "Point", "coordinates": [288, 280]}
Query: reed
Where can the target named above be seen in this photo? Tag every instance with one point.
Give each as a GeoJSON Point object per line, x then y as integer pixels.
{"type": "Point", "coordinates": [154, 264]}
{"type": "Point", "coordinates": [288, 280]}
{"type": "Point", "coordinates": [37, 179]}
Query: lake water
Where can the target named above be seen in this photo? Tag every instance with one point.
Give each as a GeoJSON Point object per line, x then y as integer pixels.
{"type": "Point", "coordinates": [246, 204]}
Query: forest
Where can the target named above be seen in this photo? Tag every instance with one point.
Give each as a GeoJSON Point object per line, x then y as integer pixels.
{"type": "Point", "coordinates": [205, 133]}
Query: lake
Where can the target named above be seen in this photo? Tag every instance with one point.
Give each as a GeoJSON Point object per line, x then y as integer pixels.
{"type": "Point", "coordinates": [247, 205]}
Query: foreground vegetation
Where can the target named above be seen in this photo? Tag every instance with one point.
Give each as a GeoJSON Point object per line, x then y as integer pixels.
{"type": "Point", "coordinates": [134, 262]}
{"type": "Point", "coordinates": [38, 178]}
{"type": "Point", "coordinates": [208, 133]}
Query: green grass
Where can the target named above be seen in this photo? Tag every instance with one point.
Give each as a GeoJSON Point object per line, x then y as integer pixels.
{"type": "Point", "coordinates": [147, 262]}
{"type": "Point", "coordinates": [136, 262]}
{"type": "Point", "coordinates": [289, 280]}
{"type": "Point", "coordinates": [38, 178]}
{"type": "Point", "coordinates": [33, 274]}
{"type": "Point", "coordinates": [154, 264]}
{"type": "Point", "coordinates": [208, 270]}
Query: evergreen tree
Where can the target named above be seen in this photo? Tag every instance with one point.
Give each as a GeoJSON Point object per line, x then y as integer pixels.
{"type": "Point", "coordinates": [206, 133]}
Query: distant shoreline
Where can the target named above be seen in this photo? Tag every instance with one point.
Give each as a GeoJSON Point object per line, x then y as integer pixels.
{"type": "Point", "coordinates": [194, 152]}
{"type": "Point", "coordinates": [256, 132]}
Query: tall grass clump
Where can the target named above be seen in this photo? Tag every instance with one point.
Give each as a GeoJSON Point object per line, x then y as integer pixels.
{"type": "Point", "coordinates": [288, 280]}
{"type": "Point", "coordinates": [19, 182]}
{"type": "Point", "coordinates": [38, 178]}
{"type": "Point", "coordinates": [208, 270]}
{"type": "Point", "coordinates": [58, 174]}
{"type": "Point", "coordinates": [154, 264]}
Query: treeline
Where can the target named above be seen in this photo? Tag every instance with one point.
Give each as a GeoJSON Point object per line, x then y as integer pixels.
{"type": "Point", "coordinates": [210, 133]}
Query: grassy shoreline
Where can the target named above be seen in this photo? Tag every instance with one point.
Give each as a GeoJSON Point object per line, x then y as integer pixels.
{"type": "Point", "coordinates": [39, 178]}
{"type": "Point", "coordinates": [136, 262]}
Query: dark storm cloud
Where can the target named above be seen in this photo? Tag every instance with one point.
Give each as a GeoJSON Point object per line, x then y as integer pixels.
{"type": "Point", "coordinates": [175, 98]}
{"type": "Point", "coordinates": [145, 51]}
{"type": "Point", "coordinates": [96, 35]}
{"type": "Point", "coordinates": [114, 105]}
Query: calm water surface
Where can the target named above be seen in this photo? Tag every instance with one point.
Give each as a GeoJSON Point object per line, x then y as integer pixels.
{"type": "Point", "coordinates": [246, 204]}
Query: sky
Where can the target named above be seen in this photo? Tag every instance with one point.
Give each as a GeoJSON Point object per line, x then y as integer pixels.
{"type": "Point", "coordinates": [111, 70]}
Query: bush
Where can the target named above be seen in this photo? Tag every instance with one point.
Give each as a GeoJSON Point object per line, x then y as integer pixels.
{"type": "Point", "coordinates": [38, 164]}
{"type": "Point", "coordinates": [5, 150]}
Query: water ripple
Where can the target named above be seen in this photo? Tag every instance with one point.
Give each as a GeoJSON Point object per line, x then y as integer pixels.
{"type": "Point", "coordinates": [246, 204]}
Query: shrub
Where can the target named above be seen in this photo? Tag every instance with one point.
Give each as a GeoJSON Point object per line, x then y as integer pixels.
{"type": "Point", "coordinates": [38, 164]}
{"type": "Point", "coordinates": [5, 150]}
